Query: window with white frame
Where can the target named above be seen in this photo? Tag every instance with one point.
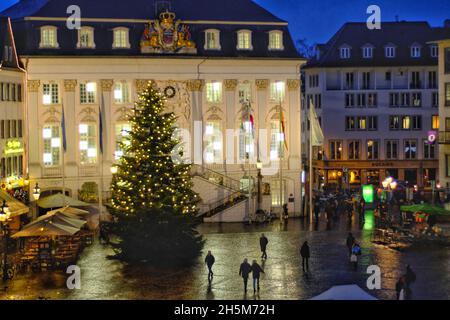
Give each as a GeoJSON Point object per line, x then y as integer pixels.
{"type": "Point", "coordinates": [88, 143]}
{"type": "Point", "coordinates": [88, 93]}
{"type": "Point", "coordinates": [415, 52]}
{"type": "Point", "coordinates": [50, 93]}
{"type": "Point", "coordinates": [214, 92]}
{"type": "Point", "coordinates": [121, 92]}
{"type": "Point", "coordinates": [246, 141]}
{"type": "Point", "coordinates": [86, 38]}
{"type": "Point", "coordinates": [245, 92]}
{"type": "Point", "coordinates": [52, 145]}
{"type": "Point", "coordinates": [410, 149]}
{"type": "Point", "coordinates": [367, 52]}
{"type": "Point", "coordinates": [277, 91]}
{"type": "Point", "coordinates": [276, 40]}
{"type": "Point", "coordinates": [428, 150]}
{"type": "Point", "coordinates": [49, 38]}
{"type": "Point", "coordinates": [122, 132]}
{"type": "Point", "coordinates": [389, 52]}
{"type": "Point", "coordinates": [121, 38]}
{"type": "Point", "coordinates": [212, 39]}
{"type": "Point", "coordinates": [345, 52]}
{"type": "Point", "coordinates": [434, 51]}
{"type": "Point", "coordinates": [276, 140]}
{"type": "Point", "coordinates": [213, 142]}
{"type": "Point", "coordinates": [244, 40]}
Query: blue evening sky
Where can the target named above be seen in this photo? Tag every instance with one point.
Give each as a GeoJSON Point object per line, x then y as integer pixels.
{"type": "Point", "coordinates": [318, 20]}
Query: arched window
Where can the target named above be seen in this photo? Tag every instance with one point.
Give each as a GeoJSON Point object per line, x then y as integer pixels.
{"type": "Point", "coordinates": [121, 38]}
{"type": "Point", "coordinates": [244, 40]}
{"type": "Point", "coordinates": [88, 143]}
{"type": "Point", "coordinates": [49, 37]}
{"type": "Point", "coordinates": [51, 135]}
{"type": "Point", "coordinates": [212, 39]}
{"type": "Point", "coordinates": [276, 40]}
{"type": "Point", "coordinates": [277, 144]}
{"type": "Point", "coordinates": [86, 38]}
{"type": "Point", "coordinates": [213, 141]}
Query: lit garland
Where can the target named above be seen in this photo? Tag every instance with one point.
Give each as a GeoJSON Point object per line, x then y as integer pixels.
{"type": "Point", "coordinates": [146, 176]}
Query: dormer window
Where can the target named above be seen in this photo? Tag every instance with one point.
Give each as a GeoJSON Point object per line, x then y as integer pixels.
{"type": "Point", "coordinates": [244, 40]}
{"type": "Point", "coordinates": [86, 38]}
{"type": "Point", "coordinates": [415, 51]}
{"type": "Point", "coordinates": [344, 52]}
{"type": "Point", "coordinates": [276, 40]}
{"type": "Point", "coordinates": [434, 51]}
{"type": "Point", "coordinates": [49, 37]}
{"type": "Point", "coordinates": [212, 39]}
{"type": "Point", "coordinates": [121, 38]}
{"type": "Point", "coordinates": [367, 52]}
{"type": "Point", "coordinates": [389, 52]}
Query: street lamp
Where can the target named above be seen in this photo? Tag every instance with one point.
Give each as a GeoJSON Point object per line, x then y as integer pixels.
{"type": "Point", "coordinates": [36, 192]}
{"type": "Point", "coordinates": [4, 217]}
{"type": "Point", "coordinates": [114, 169]}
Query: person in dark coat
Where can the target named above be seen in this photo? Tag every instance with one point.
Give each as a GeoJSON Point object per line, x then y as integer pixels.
{"type": "Point", "coordinates": [209, 260]}
{"type": "Point", "coordinates": [410, 276]}
{"type": "Point", "coordinates": [399, 286]}
{"type": "Point", "coordinates": [244, 271]}
{"type": "Point", "coordinates": [362, 209]}
{"type": "Point", "coordinates": [285, 213]}
{"type": "Point", "coordinates": [350, 242]}
{"type": "Point", "coordinates": [256, 271]}
{"type": "Point", "coordinates": [304, 252]}
{"type": "Point", "coordinates": [316, 209]}
{"type": "Point", "coordinates": [263, 241]}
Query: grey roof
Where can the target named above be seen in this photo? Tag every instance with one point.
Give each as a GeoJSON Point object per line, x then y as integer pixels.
{"type": "Point", "coordinates": [402, 35]}
{"type": "Point", "coordinates": [239, 14]}
{"type": "Point", "coordinates": [7, 40]}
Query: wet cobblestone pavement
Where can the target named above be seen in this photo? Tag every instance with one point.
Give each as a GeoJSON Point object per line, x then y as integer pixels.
{"type": "Point", "coordinates": [102, 278]}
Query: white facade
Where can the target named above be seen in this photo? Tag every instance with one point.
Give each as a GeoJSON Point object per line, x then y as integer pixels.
{"type": "Point", "coordinates": [207, 91]}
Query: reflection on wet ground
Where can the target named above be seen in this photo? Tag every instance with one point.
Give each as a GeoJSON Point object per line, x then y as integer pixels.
{"type": "Point", "coordinates": [103, 278]}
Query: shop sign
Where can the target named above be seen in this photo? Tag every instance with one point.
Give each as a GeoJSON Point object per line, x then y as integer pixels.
{"type": "Point", "coordinates": [432, 137]}
{"type": "Point", "coordinates": [13, 146]}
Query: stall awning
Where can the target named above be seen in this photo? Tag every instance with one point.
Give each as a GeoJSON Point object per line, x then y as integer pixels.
{"type": "Point", "coordinates": [59, 200]}
{"type": "Point", "coordinates": [15, 207]}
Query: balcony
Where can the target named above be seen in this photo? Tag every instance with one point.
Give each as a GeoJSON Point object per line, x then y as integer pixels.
{"type": "Point", "coordinates": [444, 137]}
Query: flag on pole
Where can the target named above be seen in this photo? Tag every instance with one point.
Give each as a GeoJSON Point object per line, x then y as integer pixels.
{"type": "Point", "coordinates": [247, 116]}
{"type": "Point", "coordinates": [317, 138]}
{"type": "Point", "coordinates": [100, 121]}
{"type": "Point", "coordinates": [63, 129]}
{"type": "Point", "coordinates": [283, 128]}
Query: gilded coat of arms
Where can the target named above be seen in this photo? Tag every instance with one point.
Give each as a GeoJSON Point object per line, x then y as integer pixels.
{"type": "Point", "coordinates": [167, 36]}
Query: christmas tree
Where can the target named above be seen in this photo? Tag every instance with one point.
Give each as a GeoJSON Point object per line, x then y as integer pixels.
{"type": "Point", "coordinates": [152, 202]}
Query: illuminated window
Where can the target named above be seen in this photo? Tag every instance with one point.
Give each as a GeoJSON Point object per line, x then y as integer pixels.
{"type": "Point", "coordinates": [406, 122]}
{"type": "Point", "coordinates": [435, 122]}
{"type": "Point", "coordinates": [276, 40]}
{"type": "Point", "coordinates": [212, 39]}
{"type": "Point", "coordinates": [335, 150]}
{"type": "Point", "coordinates": [276, 141]}
{"type": "Point", "coordinates": [245, 92]}
{"type": "Point", "coordinates": [122, 133]}
{"type": "Point", "coordinates": [50, 93]}
{"type": "Point", "coordinates": [410, 149]}
{"type": "Point", "coordinates": [275, 192]}
{"type": "Point", "coordinates": [244, 40]}
{"type": "Point", "coordinates": [372, 149]}
{"type": "Point", "coordinates": [88, 93]}
{"type": "Point", "coordinates": [121, 38]}
{"type": "Point", "coordinates": [277, 91]}
{"type": "Point", "coordinates": [86, 38]}
{"type": "Point", "coordinates": [88, 143]}
{"type": "Point", "coordinates": [246, 141]}
{"type": "Point", "coordinates": [52, 145]}
{"type": "Point", "coordinates": [214, 92]}
{"type": "Point", "coordinates": [49, 37]}
{"type": "Point", "coordinates": [121, 92]}
{"type": "Point", "coordinates": [213, 142]}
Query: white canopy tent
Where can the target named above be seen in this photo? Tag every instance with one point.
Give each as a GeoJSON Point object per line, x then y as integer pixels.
{"type": "Point", "coordinates": [345, 292]}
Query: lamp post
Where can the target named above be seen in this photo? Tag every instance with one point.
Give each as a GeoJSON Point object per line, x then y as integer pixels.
{"type": "Point", "coordinates": [36, 196]}
{"type": "Point", "coordinates": [4, 217]}
{"type": "Point", "coordinates": [259, 166]}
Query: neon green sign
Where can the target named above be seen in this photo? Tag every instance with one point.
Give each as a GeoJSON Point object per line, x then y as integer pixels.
{"type": "Point", "coordinates": [13, 146]}
{"type": "Point", "coordinates": [368, 193]}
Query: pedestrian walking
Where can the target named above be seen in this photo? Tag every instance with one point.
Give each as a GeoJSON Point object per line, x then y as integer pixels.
{"type": "Point", "coordinates": [256, 272]}
{"type": "Point", "coordinates": [316, 208]}
{"type": "Point", "coordinates": [244, 272]}
{"type": "Point", "coordinates": [399, 286]}
{"type": "Point", "coordinates": [362, 209]}
{"type": "Point", "coordinates": [356, 251]}
{"type": "Point", "coordinates": [410, 278]}
{"type": "Point", "coordinates": [263, 241]}
{"type": "Point", "coordinates": [350, 242]}
{"type": "Point", "coordinates": [209, 260]}
{"type": "Point", "coordinates": [305, 253]}
{"type": "Point", "coordinates": [285, 213]}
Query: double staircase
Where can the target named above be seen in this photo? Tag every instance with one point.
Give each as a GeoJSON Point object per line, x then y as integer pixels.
{"type": "Point", "coordinates": [223, 199]}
